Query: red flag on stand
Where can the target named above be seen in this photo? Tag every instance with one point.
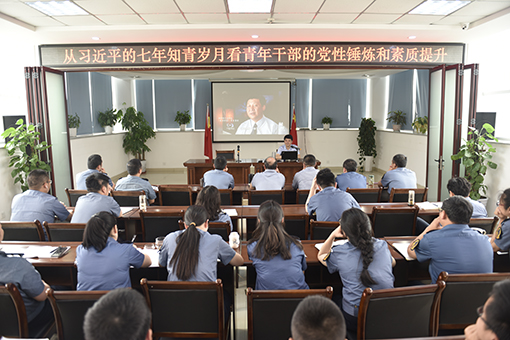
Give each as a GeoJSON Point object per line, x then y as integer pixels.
{"type": "Point", "coordinates": [293, 131]}
{"type": "Point", "coordinates": [207, 135]}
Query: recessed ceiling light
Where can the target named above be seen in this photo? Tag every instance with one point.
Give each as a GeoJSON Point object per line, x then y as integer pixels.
{"type": "Point", "coordinates": [57, 8]}
{"type": "Point", "coordinates": [436, 7]}
{"type": "Point", "coordinates": [412, 37]}
{"type": "Point", "coordinates": [254, 36]}
{"type": "Point", "coordinates": [249, 6]}
{"type": "Point", "coordinates": [96, 38]}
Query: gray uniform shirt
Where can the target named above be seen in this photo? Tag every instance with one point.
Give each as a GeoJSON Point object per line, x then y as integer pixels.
{"type": "Point", "coordinates": [92, 203]}
{"type": "Point", "coordinates": [218, 178]}
{"type": "Point", "coordinates": [134, 183]}
{"type": "Point", "coordinates": [268, 180]}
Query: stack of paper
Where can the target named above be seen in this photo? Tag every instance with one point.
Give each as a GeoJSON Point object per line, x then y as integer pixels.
{"type": "Point", "coordinates": [401, 247]}
{"type": "Point", "coordinates": [336, 243]}
{"type": "Point", "coordinates": [230, 212]}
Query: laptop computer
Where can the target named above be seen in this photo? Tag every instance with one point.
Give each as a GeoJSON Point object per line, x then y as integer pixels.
{"type": "Point", "coordinates": [289, 155]}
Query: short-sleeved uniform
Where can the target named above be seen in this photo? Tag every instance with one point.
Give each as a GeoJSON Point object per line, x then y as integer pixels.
{"type": "Point", "coordinates": [330, 203]}
{"type": "Point", "coordinates": [268, 180]}
{"type": "Point", "coordinates": [108, 269]}
{"type": "Point", "coordinates": [19, 271]}
{"type": "Point", "coordinates": [35, 205]}
{"type": "Point", "coordinates": [456, 249]}
{"type": "Point", "coordinates": [134, 183]}
{"type": "Point", "coordinates": [352, 180]}
{"type": "Point", "coordinates": [346, 260]}
{"type": "Point", "coordinates": [265, 126]}
{"type": "Point", "coordinates": [82, 176]}
{"type": "Point", "coordinates": [502, 239]}
{"type": "Point", "coordinates": [92, 203]}
{"type": "Point", "coordinates": [223, 217]}
{"type": "Point", "coordinates": [278, 273]}
{"type": "Point", "coordinates": [219, 179]}
{"type": "Point", "coordinates": [399, 178]}
{"type": "Point", "coordinates": [282, 148]}
{"type": "Point", "coordinates": [304, 178]}
{"type": "Point", "coordinates": [211, 248]}
{"type": "Point", "coordinates": [479, 210]}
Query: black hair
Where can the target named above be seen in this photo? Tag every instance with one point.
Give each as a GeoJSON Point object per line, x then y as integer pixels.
{"type": "Point", "coordinates": [270, 234]}
{"type": "Point", "coordinates": [350, 165]}
{"type": "Point", "coordinates": [209, 197]}
{"type": "Point", "coordinates": [505, 198]}
{"type": "Point", "coordinates": [120, 314]}
{"type": "Point", "coordinates": [309, 160]}
{"type": "Point", "coordinates": [261, 99]}
{"type": "Point", "coordinates": [186, 254]}
{"type": "Point", "coordinates": [498, 310]}
{"type": "Point", "coordinates": [288, 137]}
{"type": "Point", "coordinates": [220, 163]}
{"type": "Point", "coordinates": [459, 186]}
{"type": "Point", "coordinates": [325, 178]}
{"type": "Point", "coordinates": [400, 160]}
{"type": "Point", "coordinates": [94, 161]}
{"type": "Point", "coordinates": [270, 165]}
{"type": "Point", "coordinates": [317, 317]}
{"type": "Point", "coordinates": [98, 229]}
{"type": "Point", "coordinates": [458, 209]}
{"type": "Point", "coordinates": [133, 166]}
{"type": "Point", "coordinates": [356, 226]}
{"type": "Point", "coordinates": [37, 178]}
{"type": "Point", "coordinates": [96, 181]}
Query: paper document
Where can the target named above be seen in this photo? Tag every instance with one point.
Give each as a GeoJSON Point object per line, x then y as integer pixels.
{"type": "Point", "coordinates": [429, 205]}
{"type": "Point", "coordinates": [401, 247]}
{"type": "Point", "coordinates": [125, 210]}
{"type": "Point", "coordinates": [336, 243]}
{"type": "Point", "coordinates": [230, 212]}
{"type": "Point", "coordinates": [153, 254]}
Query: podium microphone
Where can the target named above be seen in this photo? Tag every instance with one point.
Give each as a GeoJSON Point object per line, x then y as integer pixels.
{"type": "Point", "coordinates": [238, 149]}
{"type": "Point", "coordinates": [295, 147]}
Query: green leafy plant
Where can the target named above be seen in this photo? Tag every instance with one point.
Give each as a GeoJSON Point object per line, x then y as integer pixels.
{"type": "Point", "coordinates": [107, 118]}
{"type": "Point", "coordinates": [366, 139]}
{"type": "Point", "coordinates": [421, 124]}
{"type": "Point", "coordinates": [327, 120]}
{"type": "Point", "coordinates": [183, 117]}
{"type": "Point", "coordinates": [138, 132]}
{"type": "Point", "coordinates": [397, 117]}
{"type": "Point", "coordinates": [24, 149]}
{"type": "Point", "coordinates": [74, 121]}
{"type": "Point", "coordinates": [476, 155]}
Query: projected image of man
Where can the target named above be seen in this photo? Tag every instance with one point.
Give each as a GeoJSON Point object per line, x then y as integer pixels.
{"type": "Point", "coordinates": [258, 124]}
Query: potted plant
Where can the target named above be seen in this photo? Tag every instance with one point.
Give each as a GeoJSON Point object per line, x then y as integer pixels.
{"type": "Point", "coordinates": [398, 118]}
{"type": "Point", "coordinates": [74, 123]}
{"type": "Point", "coordinates": [421, 125]}
{"type": "Point", "coordinates": [183, 118]}
{"type": "Point", "coordinates": [24, 148]}
{"type": "Point", "coordinates": [366, 143]}
{"type": "Point", "coordinates": [107, 120]}
{"type": "Point", "coordinates": [476, 155]}
{"type": "Point", "coordinates": [326, 122]}
{"type": "Point", "coordinates": [138, 133]}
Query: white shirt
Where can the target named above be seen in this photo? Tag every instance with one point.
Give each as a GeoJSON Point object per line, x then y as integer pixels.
{"type": "Point", "coordinates": [265, 126]}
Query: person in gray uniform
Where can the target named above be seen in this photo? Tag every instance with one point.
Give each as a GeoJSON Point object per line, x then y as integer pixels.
{"type": "Point", "coordinates": [350, 178]}
{"type": "Point", "coordinates": [94, 164]}
{"type": "Point", "coordinates": [270, 179]}
{"type": "Point", "coordinates": [219, 177]}
{"type": "Point", "coordinates": [304, 178]}
{"type": "Point", "coordinates": [133, 182]}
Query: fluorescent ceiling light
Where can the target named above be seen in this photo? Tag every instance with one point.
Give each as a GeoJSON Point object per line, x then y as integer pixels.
{"type": "Point", "coordinates": [254, 36]}
{"type": "Point", "coordinates": [57, 8]}
{"type": "Point", "coordinates": [249, 6]}
{"type": "Point", "coordinates": [439, 7]}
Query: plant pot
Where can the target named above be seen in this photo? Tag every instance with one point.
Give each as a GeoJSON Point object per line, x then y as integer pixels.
{"type": "Point", "coordinates": [396, 128]}
{"type": "Point", "coordinates": [368, 163]}
{"type": "Point", "coordinates": [325, 126]}
{"type": "Point", "coordinates": [183, 127]}
{"type": "Point", "coordinates": [72, 132]}
{"type": "Point", "coordinates": [108, 130]}
{"type": "Point", "coordinates": [144, 165]}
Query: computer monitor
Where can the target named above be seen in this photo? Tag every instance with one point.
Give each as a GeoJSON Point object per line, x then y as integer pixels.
{"type": "Point", "coordinates": [289, 155]}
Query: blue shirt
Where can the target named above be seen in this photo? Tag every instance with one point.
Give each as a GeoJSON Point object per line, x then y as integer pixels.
{"type": "Point", "coordinates": [352, 180]}
{"type": "Point", "coordinates": [268, 180]}
{"type": "Point", "coordinates": [35, 205]}
{"type": "Point", "coordinates": [502, 232]}
{"type": "Point", "coordinates": [108, 269]}
{"type": "Point", "coordinates": [223, 217]}
{"type": "Point", "coordinates": [329, 204]}
{"type": "Point", "coordinates": [399, 178]}
{"type": "Point", "coordinates": [82, 176]}
{"type": "Point", "coordinates": [92, 203]}
{"type": "Point", "coordinates": [135, 183]}
{"type": "Point", "coordinates": [211, 248]}
{"type": "Point", "coordinates": [219, 178]}
{"type": "Point", "coordinates": [278, 273]}
{"type": "Point", "coordinates": [284, 148]}
{"type": "Point", "coordinates": [479, 210]}
{"type": "Point", "coordinates": [346, 260]}
{"type": "Point", "coordinates": [456, 249]}
{"type": "Point", "coordinates": [304, 178]}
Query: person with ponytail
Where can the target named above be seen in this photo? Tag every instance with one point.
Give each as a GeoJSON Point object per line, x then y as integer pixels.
{"type": "Point", "coordinates": [192, 254]}
{"type": "Point", "coordinates": [209, 198]}
{"type": "Point", "coordinates": [278, 258]}
{"type": "Point", "coordinates": [362, 261]}
{"type": "Point", "coordinates": [102, 262]}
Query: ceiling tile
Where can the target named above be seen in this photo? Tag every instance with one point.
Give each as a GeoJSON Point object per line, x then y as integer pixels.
{"type": "Point", "coordinates": [104, 7]}
{"type": "Point", "coordinates": [345, 6]}
{"type": "Point", "coordinates": [214, 6]}
{"type": "Point", "coordinates": [482, 8]}
{"type": "Point", "coordinates": [195, 18]}
{"type": "Point", "coordinates": [301, 6]}
{"type": "Point", "coordinates": [295, 18]}
{"type": "Point", "coordinates": [328, 18]}
{"type": "Point", "coordinates": [414, 19]}
{"type": "Point", "coordinates": [457, 19]}
{"type": "Point", "coordinates": [379, 19]}
{"type": "Point", "coordinates": [19, 9]}
{"type": "Point", "coordinates": [242, 18]}
{"type": "Point", "coordinates": [392, 6]}
{"type": "Point", "coordinates": [153, 6]}
{"type": "Point", "coordinates": [159, 19]}
{"type": "Point", "coordinates": [41, 21]}
{"type": "Point", "coordinates": [79, 20]}
{"type": "Point", "coordinates": [128, 19]}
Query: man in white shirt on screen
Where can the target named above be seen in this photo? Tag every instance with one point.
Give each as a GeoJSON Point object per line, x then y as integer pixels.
{"type": "Point", "coordinates": [258, 124]}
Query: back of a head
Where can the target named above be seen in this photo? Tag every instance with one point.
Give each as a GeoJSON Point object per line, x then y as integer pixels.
{"type": "Point", "coordinates": [400, 160]}
{"type": "Point", "coordinates": [94, 161]}
{"type": "Point", "coordinates": [220, 163]}
{"type": "Point", "coordinates": [350, 165]}
{"type": "Point", "coordinates": [209, 197]}
{"type": "Point", "coordinates": [317, 318]}
{"type": "Point", "coordinates": [98, 229]}
{"type": "Point", "coordinates": [270, 163]}
{"type": "Point", "coordinates": [121, 314]}
{"type": "Point", "coordinates": [325, 178]}
{"type": "Point", "coordinates": [458, 209]}
{"type": "Point", "coordinates": [37, 178]}
{"type": "Point", "coordinates": [459, 186]}
{"type": "Point", "coordinates": [96, 181]}
{"type": "Point", "coordinates": [134, 166]}
{"type": "Point", "coordinates": [309, 160]}
{"type": "Point", "coordinates": [498, 310]}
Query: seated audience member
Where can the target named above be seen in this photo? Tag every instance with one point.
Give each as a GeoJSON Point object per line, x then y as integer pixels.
{"type": "Point", "coordinates": [209, 198]}
{"type": "Point", "coordinates": [102, 262]}
{"type": "Point", "coordinates": [94, 165]}
{"type": "Point", "coordinates": [270, 179]}
{"type": "Point", "coordinates": [36, 203]}
{"type": "Point", "coordinates": [450, 244]}
{"type": "Point", "coordinates": [95, 200]}
{"type": "Point", "coordinates": [493, 321]}
{"type": "Point", "coordinates": [192, 254]}
{"type": "Point", "coordinates": [350, 178]}
{"type": "Point", "coordinates": [133, 182]}
{"type": "Point", "coordinates": [287, 146]}
{"type": "Point", "coordinates": [330, 202]}
{"type": "Point", "coordinates": [317, 318]}
{"type": "Point", "coordinates": [121, 314]}
{"type": "Point", "coordinates": [304, 178]}
{"type": "Point", "coordinates": [398, 177]}
{"type": "Point", "coordinates": [27, 279]}
{"type": "Point", "coordinates": [500, 239]}
{"type": "Point", "coordinates": [278, 258]}
{"type": "Point", "coordinates": [459, 186]}
{"type": "Point", "coordinates": [362, 262]}
{"type": "Point", "coordinates": [219, 177]}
